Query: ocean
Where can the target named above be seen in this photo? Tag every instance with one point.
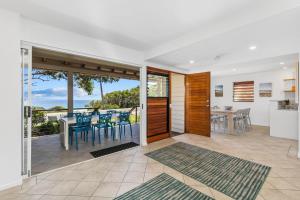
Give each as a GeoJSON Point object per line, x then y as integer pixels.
{"type": "Point", "coordinates": [51, 103]}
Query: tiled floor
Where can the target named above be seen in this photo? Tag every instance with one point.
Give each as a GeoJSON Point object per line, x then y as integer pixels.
{"type": "Point", "coordinates": [107, 177]}
{"type": "Point", "coordinates": [48, 154]}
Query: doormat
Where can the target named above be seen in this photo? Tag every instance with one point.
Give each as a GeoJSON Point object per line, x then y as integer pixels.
{"type": "Point", "coordinates": [163, 187]}
{"type": "Point", "coordinates": [237, 178]}
{"type": "Point", "coordinates": [110, 150]}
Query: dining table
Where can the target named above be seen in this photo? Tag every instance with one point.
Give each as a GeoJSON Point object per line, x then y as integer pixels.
{"type": "Point", "coordinates": [229, 114]}
{"type": "Point", "coordinates": [65, 122]}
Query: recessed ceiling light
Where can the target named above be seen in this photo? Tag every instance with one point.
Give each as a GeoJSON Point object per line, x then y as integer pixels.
{"type": "Point", "coordinates": [192, 62]}
{"type": "Point", "coordinates": [284, 68]}
{"type": "Point", "coordinates": [234, 69]}
{"type": "Point", "coordinates": [252, 48]}
{"type": "Point", "coordinates": [282, 63]}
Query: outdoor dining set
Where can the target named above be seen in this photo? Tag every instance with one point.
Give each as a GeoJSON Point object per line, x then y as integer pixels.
{"type": "Point", "coordinates": [107, 121]}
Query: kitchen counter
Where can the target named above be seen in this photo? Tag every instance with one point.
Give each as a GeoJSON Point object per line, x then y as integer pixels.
{"type": "Point", "coordinates": [283, 122]}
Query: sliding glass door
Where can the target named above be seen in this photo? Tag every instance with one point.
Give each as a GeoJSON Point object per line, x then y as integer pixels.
{"type": "Point", "coordinates": [26, 111]}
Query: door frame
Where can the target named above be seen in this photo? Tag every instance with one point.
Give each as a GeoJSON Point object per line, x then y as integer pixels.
{"type": "Point", "coordinates": [26, 170]}
{"type": "Point", "coordinates": [143, 85]}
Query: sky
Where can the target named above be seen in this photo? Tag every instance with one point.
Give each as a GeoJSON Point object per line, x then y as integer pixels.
{"type": "Point", "coordinates": [56, 90]}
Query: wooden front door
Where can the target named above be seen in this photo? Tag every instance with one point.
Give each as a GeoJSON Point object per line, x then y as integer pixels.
{"type": "Point", "coordinates": [198, 103]}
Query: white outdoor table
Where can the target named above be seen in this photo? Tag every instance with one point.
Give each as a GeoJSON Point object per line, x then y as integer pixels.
{"type": "Point", "coordinates": [64, 129]}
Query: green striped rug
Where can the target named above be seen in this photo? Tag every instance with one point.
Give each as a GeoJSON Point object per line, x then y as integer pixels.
{"type": "Point", "coordinates": [163, 187]}
{"type": "Point", "coordinates": [235, 177]}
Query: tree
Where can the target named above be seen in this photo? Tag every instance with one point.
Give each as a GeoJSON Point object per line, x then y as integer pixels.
{"type": "Point", "coordinates": [57, 108]}
{"type": "Point", "coordinates": [104, 79]}
{"type": "Point", "coordinates": [81, 80]}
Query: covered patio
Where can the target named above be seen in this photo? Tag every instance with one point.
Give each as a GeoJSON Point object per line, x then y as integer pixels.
{"type": "Point", "coordinates": [54, 151]}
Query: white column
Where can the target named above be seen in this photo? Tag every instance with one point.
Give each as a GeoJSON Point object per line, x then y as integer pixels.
{"type": "Point", "coordinates": [297, 99]}
{"type": "Point", "coordinates": [70, 92]}
{"type": "Point", "coordinates": [143, 105]}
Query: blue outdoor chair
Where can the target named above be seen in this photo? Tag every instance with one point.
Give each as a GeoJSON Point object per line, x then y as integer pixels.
{"type": "Point", "coordinates": [105, 123]}
{"type": "Point", "coordinates": [83, 124]}
{"type": "Point", "coordinates": [123, 122]}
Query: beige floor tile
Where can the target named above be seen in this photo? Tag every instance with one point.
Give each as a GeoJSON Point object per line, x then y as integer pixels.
{"type": "Point", "coordinates": [53, 197]}
{"type": "Point", "coordinates": [130, 168]}
{"type": "Point", "coordinates": [96, 176]}
{"type": "Point", "coordinates": [292, 194]}
{"type": "Point", "coordinates": [63, 188]}
{"type": "Point", "coordinates": [100, 198]}
{"type": "Point", "coordinates": [125, 187]}
{"type": "Point", "coordinates": [77, 198]}
{"type": "Point", "coordinates": [120, 167]}
{"type": "Point", "coordinates": [85, 188]}
{"type": "Point", "coordinates": [134, 177]}
{"type": "Point", "coordinates": [269, 194]}
{"type": "Point", "coordinates": [190, 181]}
{"type": "Point", "coordinates": [138, 167]}
{"type": "Point", "coordinates": [107, 190]}
{"type": "Point", "coordinates": [281, 184]}
{"type": "Point", "coordinates": [151, 175]}
{"type": "Point", "coordinates": [114, 177]}
{"type": "Point", "coordinates": [42, 188]}
{"type": "Point", "coordinates": [156, 167]}
{"type": "Point", "coordinates": [28, 197]}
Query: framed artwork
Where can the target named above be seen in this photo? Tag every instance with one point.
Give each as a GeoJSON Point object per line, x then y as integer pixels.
{"type": "Point", "coordinates": [219, 90]}
{"type": "Point", "coordinates": [265, 89]}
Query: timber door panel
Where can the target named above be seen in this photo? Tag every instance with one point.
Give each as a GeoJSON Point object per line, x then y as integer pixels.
{"type": "Point", "coordinates": [157, 116]}
{"type": "Point", "coordinates": [198, 103]}
{"type": "Point", "coordinates": [157, 104]}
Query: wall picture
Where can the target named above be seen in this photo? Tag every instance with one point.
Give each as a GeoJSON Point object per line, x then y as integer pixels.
{"type": "Point", "coordinates": [219, 91]}
{"type": "Point", "coordinates": [265, 89]}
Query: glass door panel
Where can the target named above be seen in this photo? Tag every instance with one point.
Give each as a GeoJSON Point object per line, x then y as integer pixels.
{"type": "Point", "coordinates": [26, 111]}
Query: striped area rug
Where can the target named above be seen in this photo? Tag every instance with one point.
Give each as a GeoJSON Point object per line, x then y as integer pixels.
{"type": "Point", "coordinates": [235, 177]}
{"type": "Point", "coordinates": [163, 187]}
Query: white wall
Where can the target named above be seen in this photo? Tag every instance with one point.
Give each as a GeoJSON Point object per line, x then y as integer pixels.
{"type": "Point", "coordinates": [52, 37]}
{"type": "Point", "coordinates": [15, 29]}
{"type": "Point", "coordinates": [10, 117]}
{"type": "Point", "coordinates": [260, 106]}
{"type": "Point", "coordinates": [177, 98]}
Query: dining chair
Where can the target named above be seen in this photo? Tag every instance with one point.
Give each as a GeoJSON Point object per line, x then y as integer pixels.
{"type": "Point", "coordinates": [247, 117]}
{"type": "Point", "coordinates": [83, 124]}
{"type": "Point", "coordinates": [239, 120]}
{"type": "Point", "coordinates": [104, 122]}
{"type": "Point", "coordinates": [72, 114]}
{"type": "Point", "coordinates": [123, 122]}
{"type": "Point", "coordinates": [219, 119]}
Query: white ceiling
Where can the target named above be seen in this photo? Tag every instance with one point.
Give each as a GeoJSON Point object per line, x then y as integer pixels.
{"type": "Point", "coordinates": [172, 32]}
{"type": "Point", "coordinates": [267, 64]}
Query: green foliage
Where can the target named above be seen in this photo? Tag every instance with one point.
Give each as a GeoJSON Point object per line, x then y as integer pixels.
{"type": "Point", "coordinates": [57, 108]}
{"type": "Point", "coordinates": [124, 99]}
{"type": "Point", "coordinates": [97, 104]}
{"type": "Point", "coordinates": [46, 128]}
{"type": "Point", "coordinates": [85, 82]}
{"type": "Point", "coordinates": [80, 80]}
{"type": "Point", "coordinates": [38, 117]}
{"type": "Point", "coordinates": [117, 99]}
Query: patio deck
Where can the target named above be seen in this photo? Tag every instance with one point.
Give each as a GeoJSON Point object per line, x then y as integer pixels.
{"type": "Point", "coordinates": [48, 154]}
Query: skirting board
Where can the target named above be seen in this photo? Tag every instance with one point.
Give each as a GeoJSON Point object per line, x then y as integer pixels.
{"type": "Point", "coordinates": [12, 184]}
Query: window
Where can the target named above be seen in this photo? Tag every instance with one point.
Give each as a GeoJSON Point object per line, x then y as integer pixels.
{"type": "Point", "coordinates": [243, 91]}
{"type": "Point", "coordinates": [157, 85]}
